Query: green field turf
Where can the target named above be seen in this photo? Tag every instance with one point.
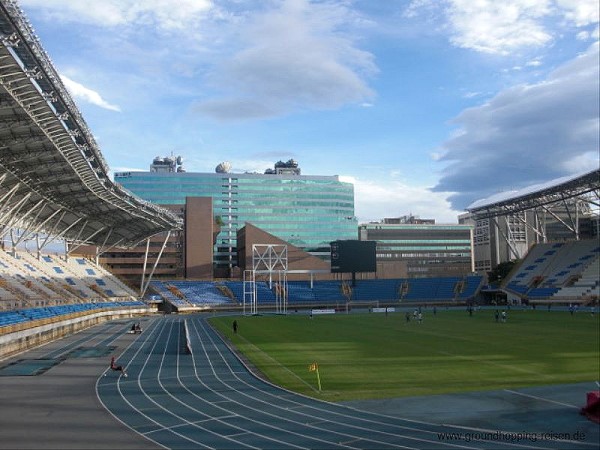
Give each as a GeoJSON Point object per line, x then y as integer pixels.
{"type": "Point", "coordinates": [371, 355]}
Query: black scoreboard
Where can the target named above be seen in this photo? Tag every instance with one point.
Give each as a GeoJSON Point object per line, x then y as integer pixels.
{"type": "Point", "coordinates": [353, 256]}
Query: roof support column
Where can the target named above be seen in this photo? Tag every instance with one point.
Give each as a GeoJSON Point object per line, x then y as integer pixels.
{"type": "Point", "coordinates": [145, 263]}
{"type": "Point", "coordinates": [14, 211]}
{"type": "Point", "coordinates": [535, 227]}
{"type": "Point", "coordinates": [508, 241]}
{"type": "Point", "coordinates": [6, 204]}
{"type": "Point", "coordinates": [567, 226]}
{"type": "Point", "coordinates": [29, 229]}
{"type": "Point", "coordinates": [50, 237]}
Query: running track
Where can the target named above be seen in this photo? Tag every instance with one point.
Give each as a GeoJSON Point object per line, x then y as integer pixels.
{"type": "Point", "coordinates": [206, 398]}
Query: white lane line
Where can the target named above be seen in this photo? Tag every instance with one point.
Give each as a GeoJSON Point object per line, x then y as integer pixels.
{"type": "Point", "coordinates": [541, 398]}
{"type": "Point", "coordinates": [229, 400]}
{"type": "Point", "coordinates": [161, 426]}
{"type": "Point", "coordinates": [185, 421]}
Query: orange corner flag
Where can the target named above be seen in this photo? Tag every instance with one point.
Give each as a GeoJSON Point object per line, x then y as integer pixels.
{"type": "Point", "coordinates": [314, 367]}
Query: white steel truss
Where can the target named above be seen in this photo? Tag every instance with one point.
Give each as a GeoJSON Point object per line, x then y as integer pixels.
{"type": "Point", "coordinates": [249, 285]}
{"type": "Point", "coordinates": [272, 259]}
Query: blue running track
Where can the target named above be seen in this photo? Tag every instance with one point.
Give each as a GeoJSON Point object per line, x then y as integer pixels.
{"type": "Point", "coordinates": [207, 398]}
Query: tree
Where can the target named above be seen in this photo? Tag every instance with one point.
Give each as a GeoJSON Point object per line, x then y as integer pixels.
{"type": "Point", "coordinates": [501, 271]}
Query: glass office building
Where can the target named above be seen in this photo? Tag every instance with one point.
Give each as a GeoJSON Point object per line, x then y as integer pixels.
{"type": "Point", "coordinates": [306, 211]}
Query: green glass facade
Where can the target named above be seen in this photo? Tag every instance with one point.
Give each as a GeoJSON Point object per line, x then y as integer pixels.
{"type": "Point", "coordinates": [306, 211]}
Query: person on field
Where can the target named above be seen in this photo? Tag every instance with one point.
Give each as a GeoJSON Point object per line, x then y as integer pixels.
{"type": "Point", "coordinates": [117, 367]}
{"type": "Point", "coordinates": [235, 326]}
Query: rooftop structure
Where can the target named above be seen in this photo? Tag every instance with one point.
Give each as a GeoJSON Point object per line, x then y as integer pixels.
{"type": "Point", "coordinates": [408, 219]}
{"type": "Point", "coordinates": [167, 164]}
{"type": "Point", "coordinates": [289, 167]}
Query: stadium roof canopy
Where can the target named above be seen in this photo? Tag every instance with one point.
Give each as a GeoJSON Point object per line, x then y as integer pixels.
{"type": "Point", "coordinates": [584, 186]}
{"type": "Point", "coordinates": [53, 178]}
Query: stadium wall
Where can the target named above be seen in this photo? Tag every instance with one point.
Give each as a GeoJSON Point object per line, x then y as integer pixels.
{"type": "Point", "coordinates": [21, 337]}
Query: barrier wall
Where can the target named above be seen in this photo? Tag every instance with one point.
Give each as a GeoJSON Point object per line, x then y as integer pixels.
{"type": "Point", "coordinates": [17, 341]}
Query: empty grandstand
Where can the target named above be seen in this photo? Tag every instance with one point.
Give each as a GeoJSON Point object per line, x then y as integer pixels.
{"type": "Point", "coordinates": [564, 272]}
{"type": "Point", "coordinates": [199, 295]}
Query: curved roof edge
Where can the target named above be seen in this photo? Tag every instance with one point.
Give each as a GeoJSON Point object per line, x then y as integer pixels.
{"type": "Point", "coordinates": [591, 178]}
{"type": "Point", "coordinates": [53, 175]}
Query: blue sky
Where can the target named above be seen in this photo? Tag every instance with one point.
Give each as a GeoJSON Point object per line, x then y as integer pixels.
{"type": "Point", "coordinates": [425, 105]}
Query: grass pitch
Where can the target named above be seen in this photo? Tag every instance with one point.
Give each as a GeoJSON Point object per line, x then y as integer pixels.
{"type": "Point", "coordinates": [371, 355]}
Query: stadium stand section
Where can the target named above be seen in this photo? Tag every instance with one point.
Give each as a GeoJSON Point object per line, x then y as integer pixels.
{"type": "Point", "coordinates": [50, 280]}
{"type": "Point", "coordinates": [170, 294]}
{"type": "Point", "coordinates": [562, 271]}
{"type": "Point", "coordinates": [204, 294]}
{"type": "Point", "coordinates": [42, 299]}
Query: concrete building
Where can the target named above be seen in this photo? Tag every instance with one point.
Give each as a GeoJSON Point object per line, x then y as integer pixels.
{"type": "Point", "coordinates": [419, 248]}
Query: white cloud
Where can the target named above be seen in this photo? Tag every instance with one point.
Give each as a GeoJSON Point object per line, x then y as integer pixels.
{"type": "Point", "coordinates": [583, 35]}
{"type": "Point", "coordinates": [526, 134]}
{"type": "Point", "coordinates": [114, 13]}
{"type": "Point", "coordinates": [498, 27]}
{"type": "Point", "coordinates": [582, 162]}
{"type": "Point", "coordinates": [376, 200]}
{"type": "Point", "coordinates": [580, 12]}
{"type": "Point", "coordinates": [504, 27]}
{"type": "Point", "coordinates": [534, 63]}
{"type": "Point", "coordinates": [294, 57]}
{"type": "Point", "coordinates": [81, 92]}
{"type": "Point", "coordinates": [589, 35]}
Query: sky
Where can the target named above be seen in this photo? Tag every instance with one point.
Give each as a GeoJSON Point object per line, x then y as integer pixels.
{"type": "Point", "coordinates": [424, 105]}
